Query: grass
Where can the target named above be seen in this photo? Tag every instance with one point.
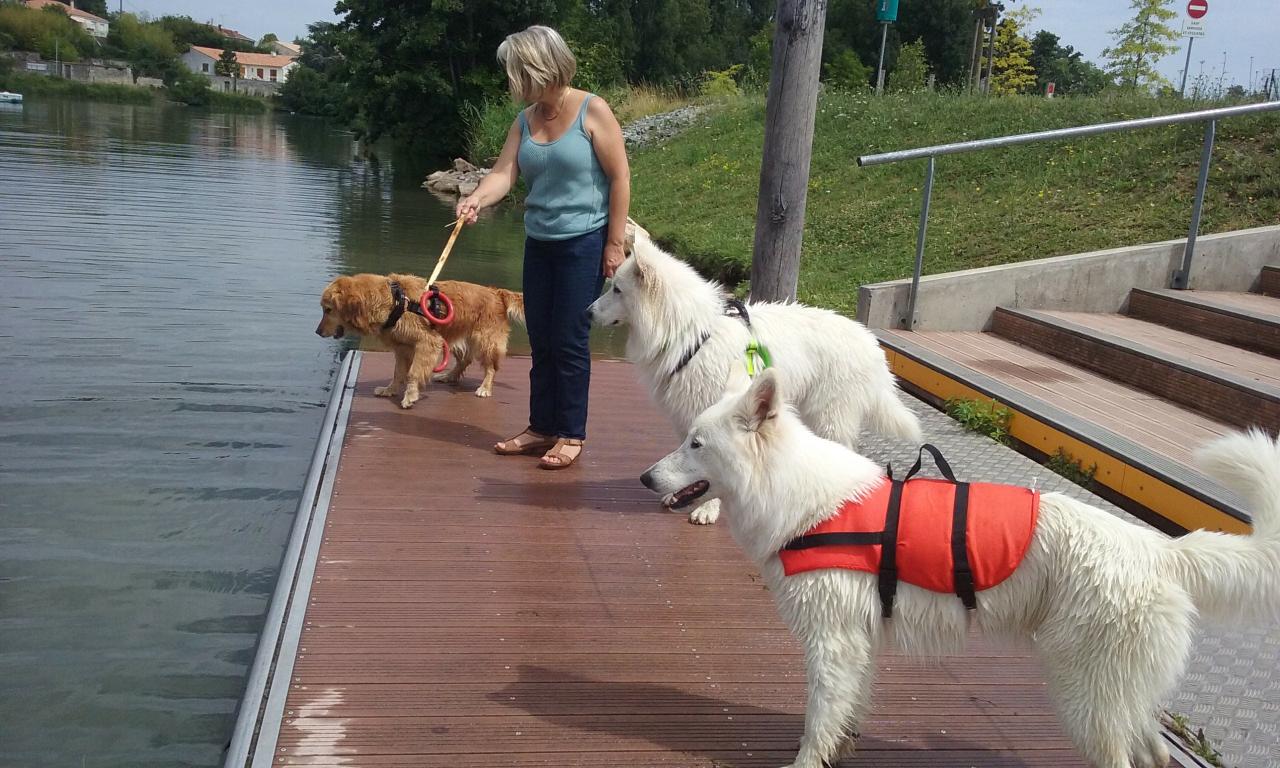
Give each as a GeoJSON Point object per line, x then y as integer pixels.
{"type": "Point", "coordinates": [697, 192]}
{"type": "Point", "coordinates": [981, 416]}
{"type": "Point", "coordinates": [1180, 725]}
{"type": "Point", "coordinates": [1071, 468]}
{"type": "Point", "coordinates": [41, 85]}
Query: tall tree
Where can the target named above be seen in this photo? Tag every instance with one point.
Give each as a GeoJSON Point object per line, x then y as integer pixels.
{"type": "Point", "coordinates": [1063, 66]}
{"type": "Point", "coordinates": [149, 47]}
{"type": "Point", "coordinates": [1142, 42]}
{"type": "Point", "coordinates": [1011, 70]}
{"type": "Point", "coordinates": [226, 65]}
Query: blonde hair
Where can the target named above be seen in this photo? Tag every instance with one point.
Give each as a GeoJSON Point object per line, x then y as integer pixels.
{"type": "Point", "coordinates": [536, 59]}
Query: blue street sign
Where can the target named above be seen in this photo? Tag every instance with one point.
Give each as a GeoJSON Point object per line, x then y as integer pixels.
{"type": "Point", "coordinates": [886, 10]}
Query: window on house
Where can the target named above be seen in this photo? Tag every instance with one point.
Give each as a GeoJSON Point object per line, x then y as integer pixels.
{"type": "Point", "coordinates": [204, 67]}
{"type": "Point", "coordinates": [273, 75]}
{"type": "Point", "coordinates": [260, 73]}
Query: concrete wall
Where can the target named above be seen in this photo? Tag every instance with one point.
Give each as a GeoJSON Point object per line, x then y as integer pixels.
{"type": "Point", "coordinates": [1089, 282]}
{"type": "Point", "coordinates": [251, 87]}
{"type": "Point", "coordinates": [87, 71]}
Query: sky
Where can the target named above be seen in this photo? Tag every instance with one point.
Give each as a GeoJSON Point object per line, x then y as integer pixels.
{"type": "Point", "coordinates": [1239, 28]}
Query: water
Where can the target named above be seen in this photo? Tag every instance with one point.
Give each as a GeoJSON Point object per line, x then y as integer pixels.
{"type": "Point", "coordinates": [161, 391]}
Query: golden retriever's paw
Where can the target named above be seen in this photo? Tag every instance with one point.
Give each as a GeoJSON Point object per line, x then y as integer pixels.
{"type": "Point", "coordinates": [407, 401]}
{"type": "Point", "coordinates": [482, 392]}
{"type": "Point", "coordinates": [706, 514]}
{"type": "Point", "coordinates": [384, 392]}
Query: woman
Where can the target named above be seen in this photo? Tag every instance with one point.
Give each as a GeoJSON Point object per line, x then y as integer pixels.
{"type": "Point", "coordinates": [569, 147]}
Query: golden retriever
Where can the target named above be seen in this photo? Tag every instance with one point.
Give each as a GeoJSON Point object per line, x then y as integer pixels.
{"type": "Point", "coordinates": [362, 304]}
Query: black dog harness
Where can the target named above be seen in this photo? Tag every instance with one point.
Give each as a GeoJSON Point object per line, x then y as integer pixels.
{"type": "Point", "coordinates": [732, 308]}
{"type": "Point", "coordinates": [400, 303]}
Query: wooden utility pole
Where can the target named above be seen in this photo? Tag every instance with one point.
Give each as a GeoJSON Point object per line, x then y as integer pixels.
{"type": "Point", "coordinates": [788, 145]}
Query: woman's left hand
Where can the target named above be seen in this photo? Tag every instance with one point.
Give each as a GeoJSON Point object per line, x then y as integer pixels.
{"type": "Point", "coordinates": [612, 258]}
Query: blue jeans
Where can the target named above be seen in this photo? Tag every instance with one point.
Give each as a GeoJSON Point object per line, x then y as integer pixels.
{"type": "Point", "coordinates": [561, 279]}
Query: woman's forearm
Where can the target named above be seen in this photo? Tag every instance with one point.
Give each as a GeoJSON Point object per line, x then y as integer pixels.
{"type": "Point", "coordinates": [619, 205]}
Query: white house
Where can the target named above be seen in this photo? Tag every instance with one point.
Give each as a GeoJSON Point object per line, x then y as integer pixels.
{"type": "Point", "coordinates": [266, 67]}
{"type": "Point", "coordinates": [281, 48]}
{"type": "Point", "coordinates": [94, 25]}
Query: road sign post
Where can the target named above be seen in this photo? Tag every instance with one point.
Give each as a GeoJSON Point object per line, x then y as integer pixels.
{"type": "Point", "coordinates": [886, 14]}
{"type": "Point", "coordinates": [1192, 27]}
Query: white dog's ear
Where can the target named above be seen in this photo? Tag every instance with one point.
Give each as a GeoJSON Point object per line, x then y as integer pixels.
{"type": "Point", "coordinates": [760, 405]}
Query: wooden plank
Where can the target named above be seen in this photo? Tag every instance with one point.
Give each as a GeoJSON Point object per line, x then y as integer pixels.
{"type": "Point", "coordinates": [472, 610]}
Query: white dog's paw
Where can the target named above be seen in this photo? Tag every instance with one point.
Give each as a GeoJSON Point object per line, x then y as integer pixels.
{"type": "Point", "coordinates": [384, 392]}
{"type": "Point", "coordinates": [482, 392]}
{"type": "Point", "coordinates": [705, 514]}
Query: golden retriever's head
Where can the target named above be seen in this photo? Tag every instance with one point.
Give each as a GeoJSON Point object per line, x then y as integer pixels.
{"type": "Point", "coordinates": [347, 305]}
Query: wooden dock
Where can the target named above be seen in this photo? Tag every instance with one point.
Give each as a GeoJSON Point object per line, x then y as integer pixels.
{"type": "Point", "coordinates": [456, 608]}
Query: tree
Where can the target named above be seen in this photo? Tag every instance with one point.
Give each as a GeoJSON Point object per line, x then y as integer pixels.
{"type": "Point", "coordinates": [267, 40]}
{"type": "Point", "coordinates": [226, 65]}
{"type": "Point", "coordinates": [48, 31]}
{"type": "Point", "coordinates": [1011, 70]}
{"type": "Point", "coordinates": [1063, 66]}
{"type": "Point", "coordinates": [1140, 43]}
{"type": "Point", "coordinates": [846, 71]}
{"type": "Point", "coordinates": [911, 70]}
{"type": "Point", "coordinates": [148, 47]}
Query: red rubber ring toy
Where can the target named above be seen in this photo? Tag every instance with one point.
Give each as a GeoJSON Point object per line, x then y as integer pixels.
{"type": "Point", "coordinates": [424, 302]}
{"type": "Point", "coordinates": [444, 362]}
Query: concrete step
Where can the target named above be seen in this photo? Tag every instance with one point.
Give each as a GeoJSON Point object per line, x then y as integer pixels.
{"type": "Point", "coordinates": [1226, 383]}
{"type": "Point", "coordinates": [1248, 320]}
{"type": "Point", "coordinates": [1142, 444]}
{"type": "Point", "coordinates": [1271, 281]}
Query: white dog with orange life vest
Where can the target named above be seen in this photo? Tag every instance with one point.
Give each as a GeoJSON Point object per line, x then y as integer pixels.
{"type": "Point", "coordinates": [682, 339]}
{"type": "Point", "coordinates": [1108, 605]}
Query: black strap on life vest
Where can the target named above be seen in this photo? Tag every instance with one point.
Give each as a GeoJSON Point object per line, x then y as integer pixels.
{"type": "Point", "coordinates": [888, 538]}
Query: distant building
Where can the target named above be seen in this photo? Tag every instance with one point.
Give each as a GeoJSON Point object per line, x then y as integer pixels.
{"type": "Point", "coordinates": [231, 34]}
{"type": "Point", "coordinates": [263, 67]}
{"type": "Point", "coordinates": [94, 25]}
{"type": "Point", "coordinates": [281, 48]}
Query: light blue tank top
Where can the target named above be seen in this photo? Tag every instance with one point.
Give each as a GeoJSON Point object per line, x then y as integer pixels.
{"type": "Point", "coordinates": [568, 190]}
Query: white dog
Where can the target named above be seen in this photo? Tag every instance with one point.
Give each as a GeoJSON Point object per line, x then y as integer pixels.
{"type": "Point", "coordinates": [682, 341]}
{"type": "Point", "coordinates": [1109, 606]}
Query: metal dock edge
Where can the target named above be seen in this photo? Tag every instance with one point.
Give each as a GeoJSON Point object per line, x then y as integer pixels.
{"type": "Point", "coordinates": [258, 719]}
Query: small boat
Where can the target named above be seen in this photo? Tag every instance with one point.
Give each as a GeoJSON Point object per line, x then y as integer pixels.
{"type": "Point", "coordinates": [8, 97]}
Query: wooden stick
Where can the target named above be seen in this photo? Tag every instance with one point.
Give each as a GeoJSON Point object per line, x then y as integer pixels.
{"type": "Point", "coordinates": [444, 255]}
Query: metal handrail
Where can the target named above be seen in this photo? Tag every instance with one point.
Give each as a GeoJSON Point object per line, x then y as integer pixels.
{"type": "Point", "coordinates": [1208, 116]}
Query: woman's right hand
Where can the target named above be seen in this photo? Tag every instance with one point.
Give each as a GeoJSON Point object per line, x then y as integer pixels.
{"type": "Point", "coordinates": [468, 208]}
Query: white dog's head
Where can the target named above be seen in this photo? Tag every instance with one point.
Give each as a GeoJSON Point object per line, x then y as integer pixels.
{"type": "Point", "coordinates": [725, 443]}
{"type": "Point", "coordinates": [630, 281]}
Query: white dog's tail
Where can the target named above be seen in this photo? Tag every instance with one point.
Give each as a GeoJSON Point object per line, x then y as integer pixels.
{"type": "Point", "coordinates": [891, 418]}
{"type": "Point", "coordinates": [1237, 578]}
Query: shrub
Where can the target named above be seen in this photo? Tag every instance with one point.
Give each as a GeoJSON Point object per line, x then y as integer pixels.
{"type": "Point", "coordinates": [982, 416]}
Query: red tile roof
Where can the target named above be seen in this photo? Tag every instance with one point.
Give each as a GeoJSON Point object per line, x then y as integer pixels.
{"type": "Point", "coordinates": [249, 59]}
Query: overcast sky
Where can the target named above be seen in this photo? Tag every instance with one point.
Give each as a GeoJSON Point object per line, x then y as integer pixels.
{"type": "Point", "coordinates": [1241, 28]}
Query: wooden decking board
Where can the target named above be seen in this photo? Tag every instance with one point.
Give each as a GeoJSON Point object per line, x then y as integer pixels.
{"type": "Point", "coordinates": [472, 610]}
{"type": "Point", "coordinates": [1196, 373]}
{"type": "Point", "coordinates": [1185, 346]}
{"type": "Point", "coordinates": [1163, 427]}
{"type": "Point", "coordinates": [1244, 320]}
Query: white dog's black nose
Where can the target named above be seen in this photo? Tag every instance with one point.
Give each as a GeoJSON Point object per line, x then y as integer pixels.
{"type": "Point", "coordinates": [647, 479]}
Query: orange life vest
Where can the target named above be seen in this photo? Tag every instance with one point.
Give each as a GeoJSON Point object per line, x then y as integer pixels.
{"type": "Point", "coordinates": [941, 535]}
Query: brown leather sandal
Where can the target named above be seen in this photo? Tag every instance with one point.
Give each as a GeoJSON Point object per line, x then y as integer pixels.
{"type": "Point", "coordinates": [516, 447]}
{"type": "Point", "coordinates": [558, 458]}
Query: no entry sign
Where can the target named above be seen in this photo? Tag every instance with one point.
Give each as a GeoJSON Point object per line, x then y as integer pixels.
{"type": "Point", "coordinates": [1193, 24]}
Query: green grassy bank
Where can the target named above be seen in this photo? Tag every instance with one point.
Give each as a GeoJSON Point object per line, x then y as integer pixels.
{"type": "Point", "coordinates": [697, 192]}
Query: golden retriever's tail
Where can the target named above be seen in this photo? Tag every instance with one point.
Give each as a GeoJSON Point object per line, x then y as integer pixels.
{"type": "Point", "coordinates": [1237, 578]}
{"type": "Point", "coordinates": [513, 303]}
